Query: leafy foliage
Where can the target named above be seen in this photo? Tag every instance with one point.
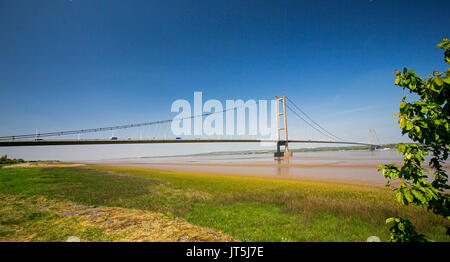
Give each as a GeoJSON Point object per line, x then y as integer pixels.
{"type": "Point", "coordinates": [426, 122]}
{"type": "Point", "coordinates": [5, 160]}
{"type": "Point", "coordinates": [403, 231]}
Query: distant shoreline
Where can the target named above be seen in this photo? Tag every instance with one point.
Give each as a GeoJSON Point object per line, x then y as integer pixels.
{"type": "Point", "coordinates": [298, 150]}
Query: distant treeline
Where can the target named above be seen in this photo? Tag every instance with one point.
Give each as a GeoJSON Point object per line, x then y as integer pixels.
{"type": "Point", "coordinates": [5, 160]}
{"type": "Point", "coordinates": [339, 148]}
{"type": "Point", "coordinates": [315, 149]}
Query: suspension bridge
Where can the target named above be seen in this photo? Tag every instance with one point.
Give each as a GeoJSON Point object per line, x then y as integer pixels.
{"type": "Point", "coordinates": [282, 140]}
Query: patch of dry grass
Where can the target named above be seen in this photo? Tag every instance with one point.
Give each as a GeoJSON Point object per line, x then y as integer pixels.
{"type": "Point", "coordinates": [119, 224]}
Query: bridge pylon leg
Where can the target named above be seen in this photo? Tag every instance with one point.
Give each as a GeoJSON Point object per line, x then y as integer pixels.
{"type": "Point", "coordinates": [280, 142]}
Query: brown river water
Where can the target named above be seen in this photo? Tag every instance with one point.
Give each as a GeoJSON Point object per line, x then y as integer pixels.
{"type": "Point", "coordinates": [342, 166]}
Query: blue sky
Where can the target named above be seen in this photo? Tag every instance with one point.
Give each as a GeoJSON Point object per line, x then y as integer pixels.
{"type": "Point", "coordinates": [84, 63]}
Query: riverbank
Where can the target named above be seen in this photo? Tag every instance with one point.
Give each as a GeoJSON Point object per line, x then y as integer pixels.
{"type": "Point", "coordinates": [241, 207]}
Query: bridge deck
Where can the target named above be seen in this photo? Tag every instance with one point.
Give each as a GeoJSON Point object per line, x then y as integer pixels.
{"type": "Point", "coordinates": [156, 141]}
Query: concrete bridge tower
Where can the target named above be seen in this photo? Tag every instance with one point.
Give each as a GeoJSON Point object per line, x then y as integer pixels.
{"type": "Point", "coordinates": [281, 142]}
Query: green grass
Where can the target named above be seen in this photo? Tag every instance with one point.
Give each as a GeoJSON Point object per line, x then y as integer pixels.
{"type": "Point", "coordinates": [247, 208]}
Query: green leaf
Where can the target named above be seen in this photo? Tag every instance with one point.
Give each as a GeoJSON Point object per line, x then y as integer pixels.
{"type": "Point", "coordinates": [438, 80]}
{"type": "Point", "coordinates": [408, 196]}
{"type": "Point", "coordinates": [402, 104]}
{"type": "Point", "coordinates": [409, 125]}
{"type": "Point", "coordinates": [400, 198]}
{"type": "Point", "coordinates": [380, 167]}
{"type": "Point", "coordinates": [424, 110]}
{"type": "Point", "coordinates": [402, 122]}
{"type": "Point", "coordinates": [418, 195]}
{"type": "Point", "coordinates": [390, 220]}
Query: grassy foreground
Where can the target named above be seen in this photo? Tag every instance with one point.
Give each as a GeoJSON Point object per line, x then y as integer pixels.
{"type": "Point", "coordinates": [245, 208]}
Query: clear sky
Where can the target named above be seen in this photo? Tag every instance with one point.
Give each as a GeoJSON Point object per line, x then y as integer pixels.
{"type": "Point", "coordinates": [88, 63]}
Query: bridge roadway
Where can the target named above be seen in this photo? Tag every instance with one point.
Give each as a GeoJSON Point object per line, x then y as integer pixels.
{"type": "Point", "coordinates": [157, 141]}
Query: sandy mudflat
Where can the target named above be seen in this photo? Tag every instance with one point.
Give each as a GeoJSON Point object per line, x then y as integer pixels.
{"type": "Point", "coordinates": [357, 167]}
{"type": "Point", "coordinates": [44, 164]}
{"type": "Point", "coordinates": [365, 175]}
{"type": "Point", "coordinates": [348, 166]}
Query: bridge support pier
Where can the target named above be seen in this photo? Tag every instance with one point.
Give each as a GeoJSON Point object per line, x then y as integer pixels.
{"type": "Point", "coordinates": [280, 153]}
